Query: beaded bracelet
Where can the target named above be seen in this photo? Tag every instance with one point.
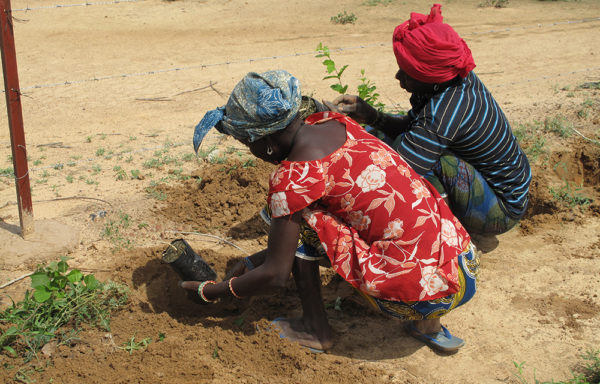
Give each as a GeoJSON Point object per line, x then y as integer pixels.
{"type": "Point", "coordinates": [201, 290]}
{"type": "Point", "coordinates": [231, 288]}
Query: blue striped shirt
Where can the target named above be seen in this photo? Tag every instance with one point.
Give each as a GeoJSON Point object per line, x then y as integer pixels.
{"type": "Point", "coordinates": [466, 120]}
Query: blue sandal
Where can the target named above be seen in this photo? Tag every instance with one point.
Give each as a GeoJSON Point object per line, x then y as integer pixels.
{"type": "Point", "coordinates": [442, 341]}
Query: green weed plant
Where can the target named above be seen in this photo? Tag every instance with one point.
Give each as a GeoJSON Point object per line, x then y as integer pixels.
{"type": "Point", "coordinates": [372, 3]}
{"type": "Point", "coordinates": [494, 3]}
{"type": "Point", "coordinates": [570, 196]}
{"type": "Point", "coordinates": [59, 304]}
{"type": "Point", "coordinates": [559, 126]}
{"type": "Point", "coordinates": [131, 345]}
{"type": "Point", "coordinates": [532, 142]}
{"type": "Point", "coordinates": [344, 18]}
{"type": "Point", "coordinates": [113, 232]}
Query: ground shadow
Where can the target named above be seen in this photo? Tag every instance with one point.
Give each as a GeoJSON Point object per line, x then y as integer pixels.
{"type": "Point", "coordinates": [14, 229]}
{"type": "Point", "coordinates": [253, 228]}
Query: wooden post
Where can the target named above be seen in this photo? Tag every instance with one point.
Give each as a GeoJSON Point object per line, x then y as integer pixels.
{"type": "Point", "coordinates": [15, 118]}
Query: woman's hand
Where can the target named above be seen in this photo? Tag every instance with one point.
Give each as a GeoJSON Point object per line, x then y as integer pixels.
{"type": "Point", "coordinates": [190, 285]}
{"type": "Point", "coordinates": [354, 107]}
{"type": "Point", "coordinates": [237, 270]}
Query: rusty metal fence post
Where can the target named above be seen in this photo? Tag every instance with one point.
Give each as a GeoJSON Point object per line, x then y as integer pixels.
{"type": "Point", "coordinates": [15, 118]}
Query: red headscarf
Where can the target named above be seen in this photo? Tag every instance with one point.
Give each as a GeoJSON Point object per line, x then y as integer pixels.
{"type": "Point", "coordinates": [429, 50]}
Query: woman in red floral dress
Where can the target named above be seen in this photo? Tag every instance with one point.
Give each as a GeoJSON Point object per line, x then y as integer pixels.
{"type": "Point", "coordinates": [384, 229]}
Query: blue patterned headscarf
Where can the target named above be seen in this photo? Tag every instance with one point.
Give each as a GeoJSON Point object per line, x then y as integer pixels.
{"type": "Point", "coordinates": [260, 104]}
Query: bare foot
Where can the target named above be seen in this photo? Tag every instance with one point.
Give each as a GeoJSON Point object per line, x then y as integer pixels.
{"type": "Point", "coordinates": [295, 330]}
{"type": "Point", "coordinates": [428, 326]}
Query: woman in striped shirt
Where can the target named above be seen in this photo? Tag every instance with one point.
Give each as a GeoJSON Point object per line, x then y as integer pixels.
{"type": "Point", "coordinates": [455, 135]}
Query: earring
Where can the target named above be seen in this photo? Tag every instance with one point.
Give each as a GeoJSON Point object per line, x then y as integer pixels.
{"type": "Point", "coordinates": [436, 87]}
{"type": "Point", "coordinates": [269, 150]}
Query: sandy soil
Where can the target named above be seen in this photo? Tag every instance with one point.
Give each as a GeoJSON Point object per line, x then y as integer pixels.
{"type": "Point", "coordinates": [127, 106]}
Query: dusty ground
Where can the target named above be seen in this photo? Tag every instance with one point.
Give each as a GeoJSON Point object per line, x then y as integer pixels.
{"type": "Point", "coordinates": [538, 294]}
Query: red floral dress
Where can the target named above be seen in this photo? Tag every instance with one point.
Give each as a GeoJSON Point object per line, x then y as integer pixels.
{"type": "Point", "coordinates": [385, 229]}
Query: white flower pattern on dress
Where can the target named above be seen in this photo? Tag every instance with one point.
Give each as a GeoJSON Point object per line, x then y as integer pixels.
{"type": "Point", "coordinates": [371, 178]}
{"type": "Point", "coordinates": [431, 281]}
{"type": "Point", "coordinates": [279, 206]}
{"type": "Point", "coordinates": [449, 235]}
{"type": "Point", "coordinates": [394, 229]}
{"type": "Point", "coordinates": [359, 221]}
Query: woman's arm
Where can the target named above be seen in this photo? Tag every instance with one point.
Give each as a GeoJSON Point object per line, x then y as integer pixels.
{"type": "Point", "coordinates": [273, 273]}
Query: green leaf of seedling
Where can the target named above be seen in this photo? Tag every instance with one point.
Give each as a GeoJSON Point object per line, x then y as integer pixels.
{"type": "Point", "coordinates": [330, 77]}
{"type": "Point", "coordinates": [62, 266]}
{"type": "Point", "coordinates": [342, 70]}
{"type": "Point", "coordinates": [339, 88]}
{"type": "Point", "coordinates": [330, 64]}
{"type": "Point", "coordinates": [75, 276]}
{"type": "Point", "coordinates": [161, 336]}
{"type": "Point", "coordinates": [336, 87]}
{"type": "Point", "coordinates": [41, 294]}
{"type": "Point", "coordinates": [39, 279]}
{"type": "Point", "coordinates": [90, 282]}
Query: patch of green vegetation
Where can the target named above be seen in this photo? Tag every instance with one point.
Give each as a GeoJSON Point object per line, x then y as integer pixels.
{"type": "Point", "coordinates": [558, 125]}
{"type": "Point", "coordinates": [131, 345]}
{"type": "Point", "coordinates": [7, 171]}
{"type": "Point", "coordinates": [153, 192]}
{"type": "Point", "coordinates": [43, 178]}
{"type": "Point", "coordinates": [113, 232]}
{"type": "Point", "coordinates": [100, 151]}
{"type": "Point", "coordinates": [344, 18]}
{"type": "Point", "coordinates": [120, 173]}
{"type": "Point", "coordinates": [590, 85]}
{"type": "Point", "coordinates": [61, 301]}
{"type": "Point", "coordinates": [589, 373]}
{"type": "Point", "coordinates": [372, 3]}
{"type": "Point", "coordinates": [96, 169]}
{"type": "Point", "coordinates": [586, 107]}
{"type": "Point", "coordinates": [136, 174]}
{"type": "Point", "coordinates": [570, 196]}
{"type": "Point", "coordinates": [205, 153]}
{"type": "Point", "coordinates": [530, 140]}
{"type": "Point", "coordinates": [494, 3]}
{"type": "Point", "coordinates": [188, 157]}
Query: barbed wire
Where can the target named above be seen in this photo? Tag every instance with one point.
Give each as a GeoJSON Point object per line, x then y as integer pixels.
{"type": "Point", "coordinates": [274, 57]}
{"type": "Point", "coordinates": [86, 4]}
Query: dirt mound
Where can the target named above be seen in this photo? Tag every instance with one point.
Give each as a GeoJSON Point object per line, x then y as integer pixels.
{"type": "Point", "coordinates": [223, 198]}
